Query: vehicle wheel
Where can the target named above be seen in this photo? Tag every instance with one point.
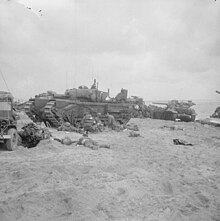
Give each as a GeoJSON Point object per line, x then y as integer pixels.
{"type": "Point", "coordinates": [11, 144]}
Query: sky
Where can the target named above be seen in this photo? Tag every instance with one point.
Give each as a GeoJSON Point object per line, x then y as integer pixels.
{"type": "Point", "coordinates": [156, 49]}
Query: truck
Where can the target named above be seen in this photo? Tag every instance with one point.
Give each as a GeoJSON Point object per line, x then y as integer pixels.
{"type": "Point", "coordinates": [8, 124]}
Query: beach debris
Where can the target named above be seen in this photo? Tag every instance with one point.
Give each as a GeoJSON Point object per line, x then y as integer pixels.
{"type": "Point", "coordinates": [134, 134]}
{"type": "Point", "coordinates": [31, 134]}
{"type": "Point", "coordinates": [132, 126]}
{"type": "Point", "coordinates": [216, 114]}
{"type": "Point", "coordinates": [171, 127]}
{"type": "Point", "coordinates": [181, 142]}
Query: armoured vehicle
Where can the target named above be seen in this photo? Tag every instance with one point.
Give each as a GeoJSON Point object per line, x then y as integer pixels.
{"type": "Point", "coordinates": [34, 108]}
{"type": "Point", "coordinates": [175, 110]}
{"type": "Point", "coordinates": [71, 106]}
{"type": "Point", "coordinates": [8, 128]}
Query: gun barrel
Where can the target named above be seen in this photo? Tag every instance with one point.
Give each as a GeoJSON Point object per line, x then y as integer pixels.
{"type": "Point", "coordinates": [161, 103]}
{"type": "Point", "coordinates": [218, 92]}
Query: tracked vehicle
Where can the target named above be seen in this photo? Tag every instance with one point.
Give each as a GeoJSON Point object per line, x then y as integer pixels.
{"type": "Point", "coordinates": [34, 108]}
{"type": "Point", "coordinates": [75, 103]}
{"type": "Point", "coordinates": [175, 110]}
{"type": "Point", "coordinates": [8, 128]}
{"type": "Point", "coordinates": [53, 108]}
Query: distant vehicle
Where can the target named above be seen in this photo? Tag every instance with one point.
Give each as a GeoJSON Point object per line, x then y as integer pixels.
{"type": "Point", "coordinates": [175, 110]}
{"type": "Point", "coordinates": [8, 124]}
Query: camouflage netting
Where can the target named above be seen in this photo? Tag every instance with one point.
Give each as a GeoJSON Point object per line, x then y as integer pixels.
{"type": "Point", "coordinates": [5, 95]}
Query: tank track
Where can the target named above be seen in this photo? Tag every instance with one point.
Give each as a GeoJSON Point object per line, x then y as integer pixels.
{"type": "Point", "coordinates": [28, 110]}
{"type": "Point", "coordinates": [55, 121]}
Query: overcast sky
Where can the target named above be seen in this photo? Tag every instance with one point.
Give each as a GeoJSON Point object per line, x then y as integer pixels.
{"type": "Point", "coordinates": [157, 49]}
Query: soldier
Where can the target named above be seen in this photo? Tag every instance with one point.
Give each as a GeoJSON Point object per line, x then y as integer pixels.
{"type": "Point", "coordinates": [84, 140]}
{"type": "Point", "coordinates": [87, 122]}
{"type": "Point", "coordinates": [94, 85]}
{"type": "Point", "coordinates": [99, 124]}
{"type": "Point", "coordinates": [111, 121]}
{"type": "Point", "coordinates": [90, 143]}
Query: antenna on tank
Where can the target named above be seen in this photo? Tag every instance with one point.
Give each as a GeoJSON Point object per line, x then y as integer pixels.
{"type": "Point", "coordinates": [92, 72]}
{"type": "Point", "coordinates": [66, 79]}
{"type": "Point", "coordinates": [97, 79]}
{"type": "Point", "coordinates": [4, 81]}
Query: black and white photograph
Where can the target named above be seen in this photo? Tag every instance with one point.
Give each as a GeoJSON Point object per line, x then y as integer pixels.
{"type": "Point", "coordinates": [109, 110]}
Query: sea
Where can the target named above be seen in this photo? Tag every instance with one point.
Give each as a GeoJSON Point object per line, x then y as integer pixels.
{"type": "Point", "coordinates": [204, 108]}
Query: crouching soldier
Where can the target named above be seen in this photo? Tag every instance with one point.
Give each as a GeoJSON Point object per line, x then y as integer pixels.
{"type": "Point", "coordinates": [88, 122]}
{"type": "Point", "coordinates": [111, 122]}
{"type": "Point", "coordinates": [98, 123]}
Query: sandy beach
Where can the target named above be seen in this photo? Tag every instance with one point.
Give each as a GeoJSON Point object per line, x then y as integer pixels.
{"type": "Point", "coordinates": [72, 64]}
{"type": "Point", "coordinates": [140, 178]}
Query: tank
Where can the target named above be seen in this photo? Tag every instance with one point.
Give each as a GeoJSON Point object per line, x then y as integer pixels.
{"type": "Point", "coordinates": [174, 110]}
{"type": "Point", "coordinates": [34, 107]}
{"type": "Point", "coordinates": [54, 109]}
{"type": "Point", "coordinates": [77, 102]}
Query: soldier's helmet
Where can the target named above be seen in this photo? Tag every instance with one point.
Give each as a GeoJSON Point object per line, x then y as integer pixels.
{"type": "Point", "coordinates": [85, 134]}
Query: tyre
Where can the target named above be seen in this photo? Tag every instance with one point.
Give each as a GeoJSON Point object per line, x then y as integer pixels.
{"type": "Point", "coordinates": [11, 144]}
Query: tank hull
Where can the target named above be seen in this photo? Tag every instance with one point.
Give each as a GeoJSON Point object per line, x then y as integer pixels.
{"type": "Point", "coordinates": [73, 111]}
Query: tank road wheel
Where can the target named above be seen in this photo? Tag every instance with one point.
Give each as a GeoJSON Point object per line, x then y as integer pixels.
{"type": "Point", "coordinates": [11, 144]}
